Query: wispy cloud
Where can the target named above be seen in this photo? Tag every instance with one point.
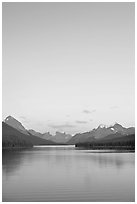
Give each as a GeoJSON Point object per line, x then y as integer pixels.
{"type": "Point", "coordinates": [88, 111]}
{"type": "Point", "coordinates": [81, 121]}
{"type": "Point", "coordinates": [61, 126]}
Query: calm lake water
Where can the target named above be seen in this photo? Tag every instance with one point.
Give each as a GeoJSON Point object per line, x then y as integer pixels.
{"type": "Point", "coordinates": [62, 173]}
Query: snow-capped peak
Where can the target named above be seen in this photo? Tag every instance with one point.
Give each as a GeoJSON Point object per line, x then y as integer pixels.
{"type": "Point", "coordinates": [112, 128]}
{"type": "Point", "coordinates": [102, 126]}
{"type": "Point", "coordinates": [11, 121]}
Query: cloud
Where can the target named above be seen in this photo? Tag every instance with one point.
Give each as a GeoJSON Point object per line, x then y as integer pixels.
{"type": "Point", "coordinates": [81, 121]}
{"type": "Point", "coordinates": [88, 111]}
{"type": "Point", "coordinates": [61, 126]}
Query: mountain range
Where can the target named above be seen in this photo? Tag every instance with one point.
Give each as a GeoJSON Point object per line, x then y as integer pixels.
{"type": "Point", "coordinates": [101, 132]}
{"type": "Point", "coordinates": [12, 129]}
{"type": "Point", "coordinates": [57, 138]}
{"type": "Point", "coordinates": [11, 137]}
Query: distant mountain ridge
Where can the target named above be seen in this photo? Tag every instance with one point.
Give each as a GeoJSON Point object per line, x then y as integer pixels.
{"type": "Point", "coordinates": [101, 132]}
{"type": "Point", "coordinates": [61, 137]}
{"type": "Point", "coordinates": [57, 138]}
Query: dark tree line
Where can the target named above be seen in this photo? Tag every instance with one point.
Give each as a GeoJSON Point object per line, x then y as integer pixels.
{"type": "Point", "coordinates": [15, 142]}
{"type": "Point", "coordinates": [125, 143]}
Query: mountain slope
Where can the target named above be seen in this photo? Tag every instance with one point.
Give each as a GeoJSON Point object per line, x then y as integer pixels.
{"type": "Point", "coordinates": [33, 132]}
{"type": "Point", "coordinates": [46, 136]}
{"type": "Point", "coordinates": [11, 137]}
{"type": "Point", "coordinates": [101, 132]}
{"type": "Point", "coordinates": [11, 121]}
{"type": "Point", "coordinates": [59, 137]}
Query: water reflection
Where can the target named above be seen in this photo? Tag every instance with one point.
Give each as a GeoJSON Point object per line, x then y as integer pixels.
{"type": "Point", "coordinates": [12, 160]}
{"type": "Point", "coordinates": [66, 174]}
{"type": "Point", "coordinates": [113, 159]}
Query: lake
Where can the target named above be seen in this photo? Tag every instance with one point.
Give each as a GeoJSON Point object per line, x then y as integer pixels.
{"type": "Point", "coordinates": [63, 173]}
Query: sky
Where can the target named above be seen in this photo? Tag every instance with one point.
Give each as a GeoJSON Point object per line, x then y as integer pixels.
{"type": "Point", "coordinates": [68, 67]}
